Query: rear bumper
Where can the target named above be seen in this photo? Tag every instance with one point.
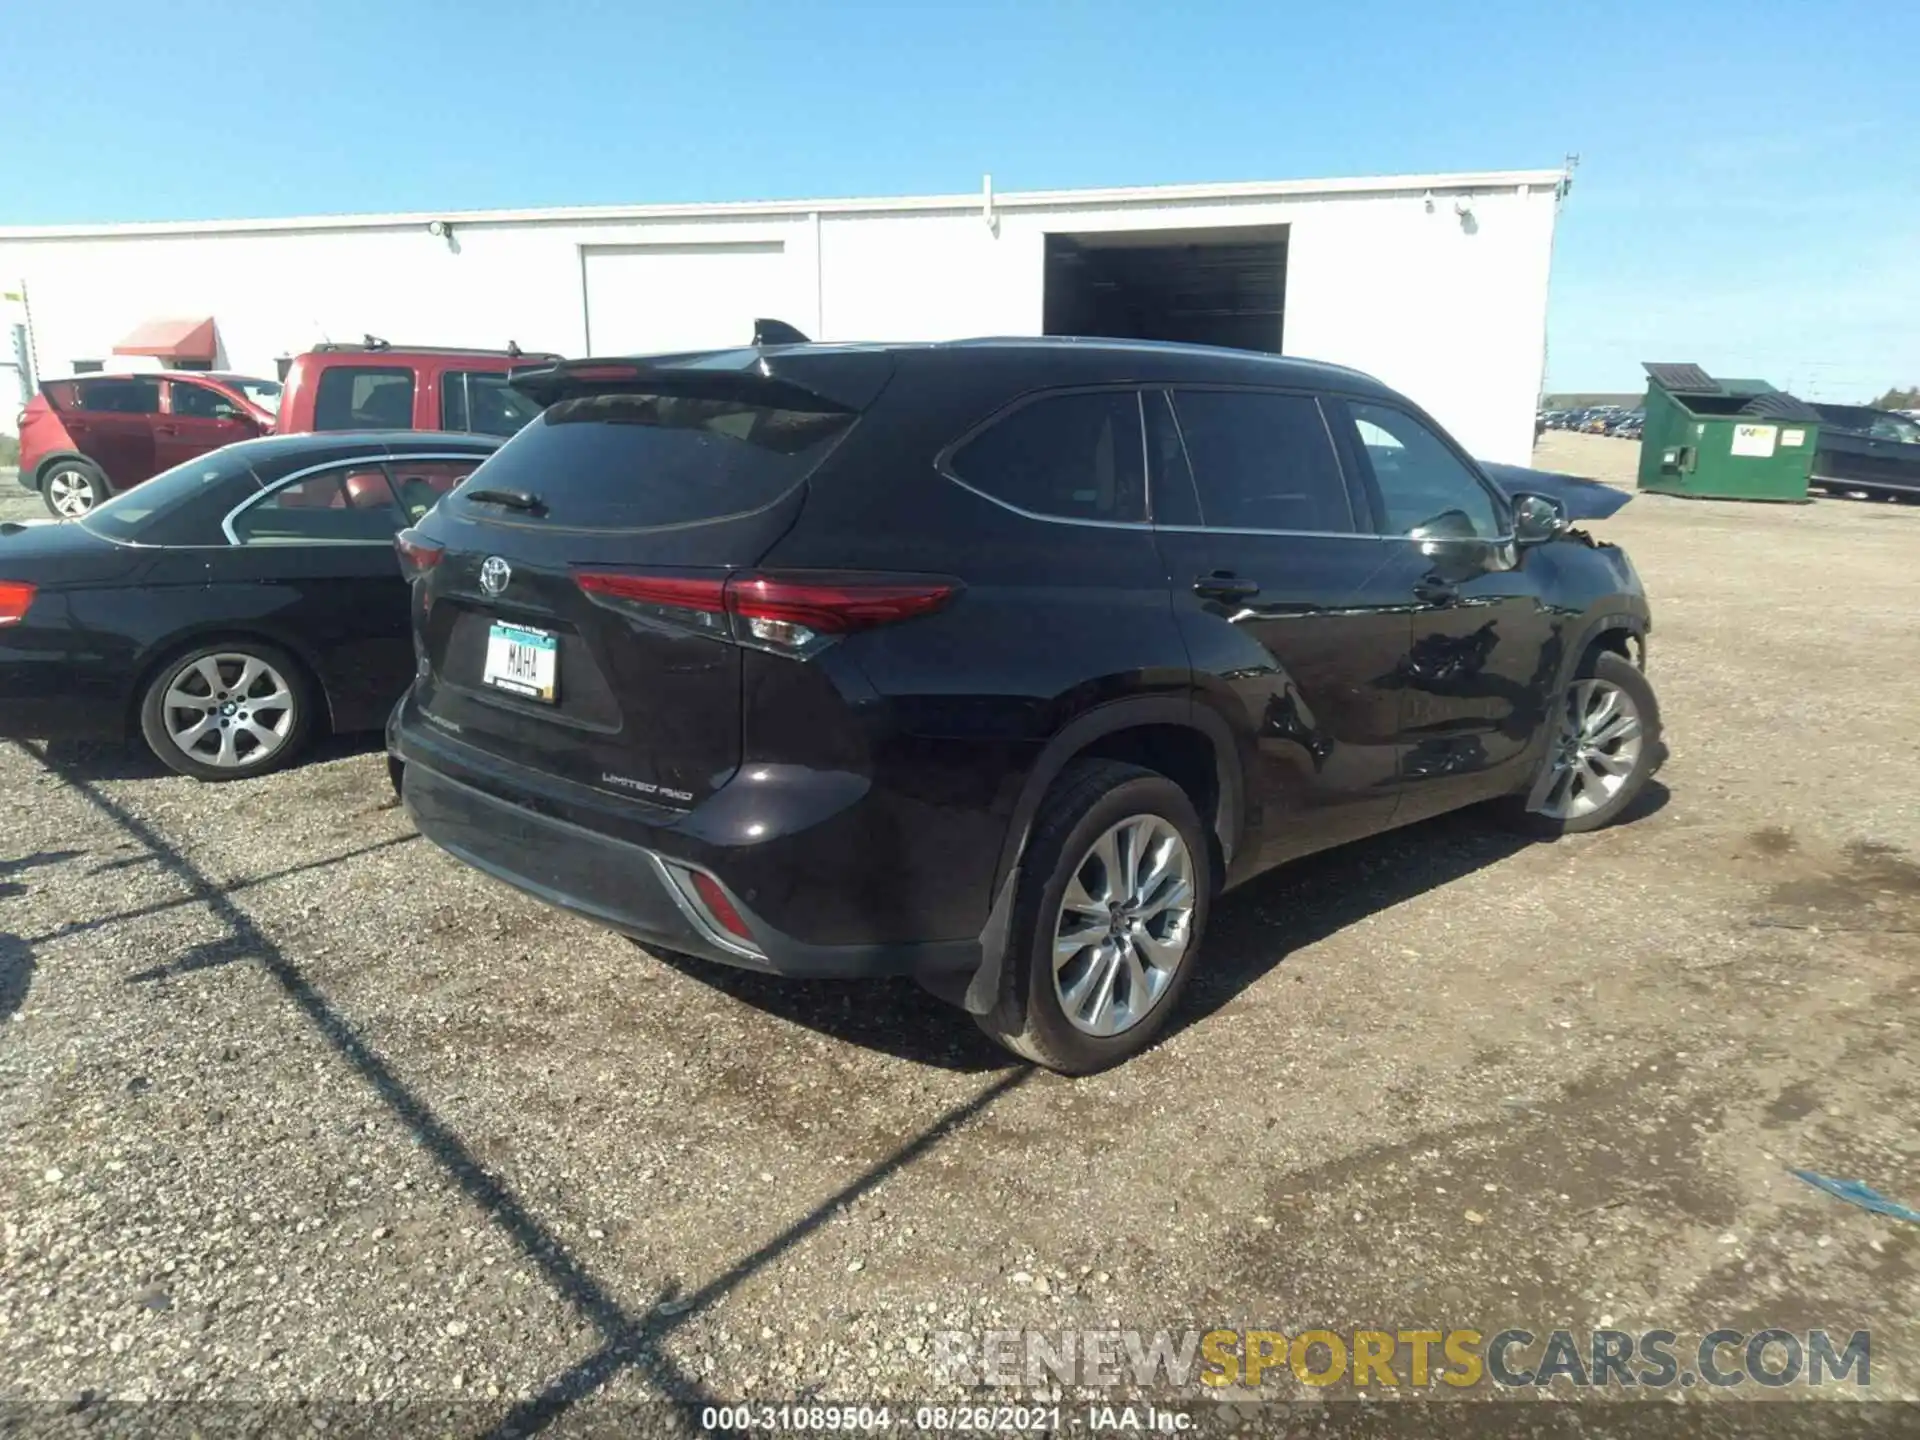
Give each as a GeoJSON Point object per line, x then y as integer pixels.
{"type": "Point", "coordinates": [626, 885]}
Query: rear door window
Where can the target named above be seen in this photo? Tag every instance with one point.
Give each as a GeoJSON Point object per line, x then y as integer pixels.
{"type": "Point", "coordinates": [364, 397]}
{"type": "Point", "coordinates": [482, 402]}
{"type": "Point", "coordinates": [1263, 462]}
{"type": "Point", "coordinates": [346, 505]}
{"type": "Point", "coordinates": [641, 460]}
{"type": "Point", "coordinates": [1068, 457]}
{"type": "Point", "coordinates": [119, 397]}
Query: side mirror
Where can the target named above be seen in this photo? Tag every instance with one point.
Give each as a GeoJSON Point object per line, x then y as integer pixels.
{"type": "Point", "coordinates": [1538, 519]}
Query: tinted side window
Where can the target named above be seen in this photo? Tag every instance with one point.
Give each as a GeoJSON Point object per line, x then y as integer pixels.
{"type": "Point", "coordinates": [1263, 462]}
{"type": "Point", "coordinates": [120, 397]}
{"type": "Point", "coordinates": [1425, 490]}
{"type": "Point", "coordinates": [364, 397]}
{"type": "Point", "coordinates": [201, 403]}
{"type": "Point", "coordinates": [480, 401]}
{"type": "Point", "coordinates": [1074, 456]}
{"type": "Point", "coordinates": [342, 506]}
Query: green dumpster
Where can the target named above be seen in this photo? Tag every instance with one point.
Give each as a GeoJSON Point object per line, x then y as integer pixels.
{"type": "Point", "coordinates": [1724, 439]}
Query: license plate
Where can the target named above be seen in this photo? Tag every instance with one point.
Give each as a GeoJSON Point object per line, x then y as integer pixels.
{"type": "Point", "coordinates": [522, 661]}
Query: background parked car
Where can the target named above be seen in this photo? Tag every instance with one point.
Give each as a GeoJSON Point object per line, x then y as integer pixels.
{"type": "Point", "coordinates": [84, 439]}
{"type": "Point", "coordinates": [375, 385]}
{"type": "Point", "coordinates": [1863, 450]}
{"type": "Point", "coordinates": [228, 609]}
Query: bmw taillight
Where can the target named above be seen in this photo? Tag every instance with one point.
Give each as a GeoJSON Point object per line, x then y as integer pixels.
{"type": "Point", "coordinates": [16, 597]}
{"type": "Point", "coordinates": [789, 613]}
{"type": "Point", "coordinates": [417, 555]}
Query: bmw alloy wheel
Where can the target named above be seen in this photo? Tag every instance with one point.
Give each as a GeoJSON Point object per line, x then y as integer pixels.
{"type": "Point", "coordinates": [231, 711]}
{"type": "Point", "coordinates": [1596, 750]}
{"type": "Point", "coordinates": [1125, 924]}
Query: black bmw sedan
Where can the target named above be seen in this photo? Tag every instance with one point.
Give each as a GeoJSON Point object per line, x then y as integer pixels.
{"type": "Point", "coordinates": [229, 609]}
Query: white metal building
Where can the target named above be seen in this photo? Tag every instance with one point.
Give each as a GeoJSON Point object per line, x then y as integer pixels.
{"type": "Point", "coordinates": [1435, 283]}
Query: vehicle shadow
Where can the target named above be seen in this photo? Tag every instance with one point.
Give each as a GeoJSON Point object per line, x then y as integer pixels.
{"type": "Point", "coordinates": [893, 1016]}
{"type": "Point", "coordinates": [1252, 930]}
{"type": "Point", "coordinates": [107, 760]}
{"type": "Point", "coordinates": [1260, 925]}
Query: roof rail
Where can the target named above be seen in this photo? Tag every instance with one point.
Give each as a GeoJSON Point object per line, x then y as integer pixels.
{"type": "Point", "coordinates": [374, 345]}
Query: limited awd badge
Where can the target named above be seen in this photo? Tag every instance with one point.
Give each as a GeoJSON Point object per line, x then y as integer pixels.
{"type": "Point", "coordinates": [494, 575]}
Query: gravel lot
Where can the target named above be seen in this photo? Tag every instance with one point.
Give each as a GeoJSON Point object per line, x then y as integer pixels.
{"type": "Point", "coordinates": [297, 1107]}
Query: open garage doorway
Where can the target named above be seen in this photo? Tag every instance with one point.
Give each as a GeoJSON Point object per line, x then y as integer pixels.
{"type": "Point", "coordinates": [1202, 287]}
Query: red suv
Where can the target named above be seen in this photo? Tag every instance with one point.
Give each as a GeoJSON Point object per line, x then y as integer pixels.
{"type": "Point", "coordinates": [379, 386]}
{"type": "Point", "coordinates": [83, 439]}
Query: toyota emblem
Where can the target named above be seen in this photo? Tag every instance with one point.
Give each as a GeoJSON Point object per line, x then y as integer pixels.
{"type": "Point", "coordinates": [495, 574]}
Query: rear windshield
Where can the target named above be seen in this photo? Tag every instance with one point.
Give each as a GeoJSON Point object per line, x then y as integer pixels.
{"type": "Point", "coordinates": [639, 461]}
{"type": "Point", "coordinates": [163, 511]}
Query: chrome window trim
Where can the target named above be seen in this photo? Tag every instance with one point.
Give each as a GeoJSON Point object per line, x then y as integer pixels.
{"type": "Point", "coordinates": [943, 462]}
{"type": "Point", "coordinates": [233, 539]}
{"type": "Point", "coordinates": [1047, 519]}
{"type": "Point", "coordinates": [1299, 534]}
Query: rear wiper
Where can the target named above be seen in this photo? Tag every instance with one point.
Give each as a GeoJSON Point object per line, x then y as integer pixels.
{"type": "Point", "coordinates": [512, 499]}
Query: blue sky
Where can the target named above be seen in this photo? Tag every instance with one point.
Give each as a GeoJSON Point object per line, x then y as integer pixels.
{"type": "Point", "coordinates": [1748, 195]}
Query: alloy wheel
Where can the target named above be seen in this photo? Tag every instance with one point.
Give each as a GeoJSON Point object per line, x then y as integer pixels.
{"type": "Point", "coordinates": [1124, 927]}
{"type": "Point", "coordinates": [1596, 750]}
{"type": "Point", "coordinates": [233, 711]}
{"type": "Point", "coordinates": [71, 493]}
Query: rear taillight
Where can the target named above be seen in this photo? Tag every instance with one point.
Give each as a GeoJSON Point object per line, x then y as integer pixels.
{"type": "Point", "coordinates": [15, 599]}
{"type": "Point", "coordinates": [417, 555]}
{"type": "Point", "coordinates": [790, 613]}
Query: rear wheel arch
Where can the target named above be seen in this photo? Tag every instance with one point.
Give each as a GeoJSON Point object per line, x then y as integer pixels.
{"type": "Point", "coordinates": [1188, 743]}
{"type": "Point", "coordinates": [171, 649]}
{"type": "Point", "coordinates": [48, 463]}
{"type": "Point", "coordinates": [1139, 731]}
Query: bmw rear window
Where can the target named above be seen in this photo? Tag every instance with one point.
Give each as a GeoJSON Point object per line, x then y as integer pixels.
{"type": "Point", "coordinates": [178, 506]}
{"type": "Point", "coordinates": [640, 461]}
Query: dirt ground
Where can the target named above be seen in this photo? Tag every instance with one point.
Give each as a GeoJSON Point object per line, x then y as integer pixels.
{"type": "Point", "coordinates": [296, 1106]}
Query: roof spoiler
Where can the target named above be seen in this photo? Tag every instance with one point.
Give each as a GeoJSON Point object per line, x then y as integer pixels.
{"type": "Point", "coordinates": [768, 372]}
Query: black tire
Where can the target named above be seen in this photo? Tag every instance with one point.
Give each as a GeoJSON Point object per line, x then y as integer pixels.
{"type": "Point", "coordinates": [75, 483]}
{"type": "Point", "coordinates": [1621, 672]}
{"type": "Point", "coordinates": [229, 710]}
{"type": "Point", "coordinates": [1089, 798]}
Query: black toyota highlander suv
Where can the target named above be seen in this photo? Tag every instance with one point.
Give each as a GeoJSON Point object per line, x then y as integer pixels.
{"type": "Point", "coordinates": [992, 662]}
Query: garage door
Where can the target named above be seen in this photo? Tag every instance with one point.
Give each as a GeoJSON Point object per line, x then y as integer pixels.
{"type": "Point", "coordinates": [646, 299]}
